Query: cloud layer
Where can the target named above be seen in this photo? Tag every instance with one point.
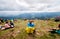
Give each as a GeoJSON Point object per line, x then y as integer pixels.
{"type": "Point", "coordinates": [30, 5]}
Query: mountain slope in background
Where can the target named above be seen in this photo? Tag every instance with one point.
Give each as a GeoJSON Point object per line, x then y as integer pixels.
{"type": "Point", "coordinates": [37, 15]}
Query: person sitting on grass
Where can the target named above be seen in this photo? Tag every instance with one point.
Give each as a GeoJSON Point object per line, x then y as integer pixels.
{"type": "Point", "coordinates": [56, 30]}
{"type": "Point", "coordinates": [30, 28]}
{"type": "Point", "coordinates": [7, 25]}
{"type": "Point", "coordinates": [11, 24]}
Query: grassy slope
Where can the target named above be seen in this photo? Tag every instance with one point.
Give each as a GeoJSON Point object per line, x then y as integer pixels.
{"type": "Point", "coordinates": [42, 28]}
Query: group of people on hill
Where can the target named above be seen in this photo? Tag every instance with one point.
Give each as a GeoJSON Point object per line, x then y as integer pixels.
{"type": "Point", "coordinates": [8, 24]}
{"type": "Point", "coordinates": [30, 27]}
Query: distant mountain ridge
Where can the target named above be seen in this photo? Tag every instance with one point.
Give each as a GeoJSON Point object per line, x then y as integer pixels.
{"type": "Point", "coordinates": [37, 15]}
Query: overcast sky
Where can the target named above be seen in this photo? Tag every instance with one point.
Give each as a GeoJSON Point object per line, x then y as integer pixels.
{"type": "Point", "coordinates": [29, 5]}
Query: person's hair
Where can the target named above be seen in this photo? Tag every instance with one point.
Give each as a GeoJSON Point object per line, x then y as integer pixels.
{"type": "Point", "coordinates": [31, 21]}
{"type": "Point", "coordinates": [59, 25]}
{"type": "Point", "coordinates": [6, 22]}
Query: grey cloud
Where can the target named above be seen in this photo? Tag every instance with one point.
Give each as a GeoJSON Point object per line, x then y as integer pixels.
{"type": "Point", "coordinates": [11, 5]}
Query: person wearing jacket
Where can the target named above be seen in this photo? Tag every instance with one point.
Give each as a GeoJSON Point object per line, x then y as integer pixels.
{"type": "Point", "coordinates": [30, 27]}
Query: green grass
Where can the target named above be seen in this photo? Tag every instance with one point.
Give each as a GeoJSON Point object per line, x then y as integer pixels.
{"type": "Point", "coordinates": [42, 27]}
